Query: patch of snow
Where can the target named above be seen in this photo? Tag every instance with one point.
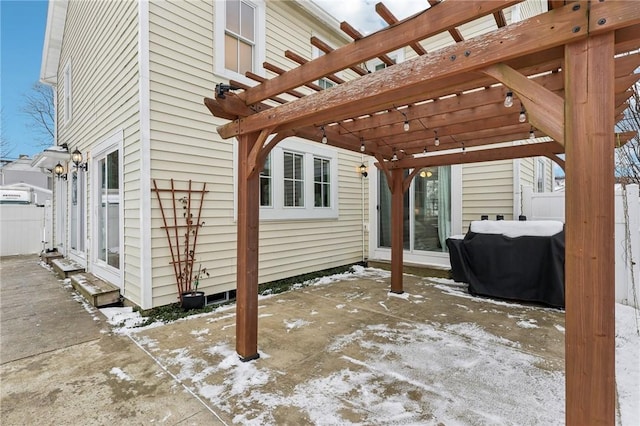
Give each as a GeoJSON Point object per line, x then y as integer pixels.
{"type": "Point", "coordinates": [530, 323]}
{"type": "Point", "coordinates": [204, 331]}
{"type": "Point", "coordinates": [627, 364]}
{"type": "Point", "coordinates": [403, 295]}
{"type": "Point", "coordinates": [559, 328]}
{"type": "Point", "coordinates": [516, 228]}
{"type": "Point", "coordinates": [340, 306]}
{"type": "Point", "coordinates": [292, 325]}
{"type": "Point", "coordinates": [120, 374]}
{"type": "Point", "coordinates": [383, 305]}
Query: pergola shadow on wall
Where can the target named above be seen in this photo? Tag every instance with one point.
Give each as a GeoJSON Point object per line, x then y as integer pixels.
{"type": "Point", "coordinates": [568, 69]}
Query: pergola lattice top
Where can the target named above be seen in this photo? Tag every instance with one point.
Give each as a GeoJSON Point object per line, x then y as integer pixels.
{"type": "Point", "coordinates": [454, 94]}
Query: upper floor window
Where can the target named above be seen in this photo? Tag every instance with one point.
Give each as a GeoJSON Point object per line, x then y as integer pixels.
{"type": "Point", "coordinates": [67, 105]}
{"type": "Point", "coordinates": [239, 37]}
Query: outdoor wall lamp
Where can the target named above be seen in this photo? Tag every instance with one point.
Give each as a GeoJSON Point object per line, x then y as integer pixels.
{"type": "Point", "coordinates": [59, 171]}
{"type": "Point", "coordinates": [221, 89]}
{"type": "Point", "coordinates": [363, 170]}
{"type": "Point", "coordinates": [76, 157]}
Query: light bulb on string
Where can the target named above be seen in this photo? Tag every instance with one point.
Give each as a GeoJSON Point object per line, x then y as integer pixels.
{"type": "Point", "coordinates": [406, 125]}
{"type": "Point", "coordinates": [531, 134]}
{"type": "Point", "coordinates": [523, 115]}
{"type": "Point", "coordinates": [361, 145]}
{"type": "Point", "coordinates": [395, 156]}
{"type": "Point", "coordinates": [436, 141]}
{"type": "Point", "coordinates": [508, 100]}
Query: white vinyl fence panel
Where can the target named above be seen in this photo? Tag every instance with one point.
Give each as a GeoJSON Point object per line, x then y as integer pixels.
{"type": "Point", "coordinates": [550, 206]}
{"type": "Point", "coordinates": [22, 229]}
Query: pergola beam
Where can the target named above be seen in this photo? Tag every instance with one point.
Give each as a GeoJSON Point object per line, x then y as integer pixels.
{"type": "Point", "coordinates": [478, 156]}
{"type": "Point", "coordinates": [589, 252]}
{"type": "Point", "coordinates": [545, 108]}
{"type": "Point", "coordinates": [429, 23]}
{"type": "Point", "coordinates": [379, 89]}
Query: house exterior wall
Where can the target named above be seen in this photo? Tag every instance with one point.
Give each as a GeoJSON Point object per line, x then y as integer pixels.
{"type": "Point", "coordinates": [100, 44]}
{"type": "Point", "coordinates": [185, 145]}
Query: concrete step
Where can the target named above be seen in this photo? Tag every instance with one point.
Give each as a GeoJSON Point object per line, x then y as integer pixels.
{"type": "Point", "coordinates": [96, 291]}
{"type": "Point", "coordinates": [66, 267]}
{"type": "Point", "coordinates": [48, 257]}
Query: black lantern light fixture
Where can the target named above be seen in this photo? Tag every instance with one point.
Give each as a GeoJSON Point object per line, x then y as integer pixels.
{"type": "Point", "coordinates": [363, 170]}
{"type": "Point", "coordinates": [76, 157]}
{"type": "Point", "coordinates": [58, 170]}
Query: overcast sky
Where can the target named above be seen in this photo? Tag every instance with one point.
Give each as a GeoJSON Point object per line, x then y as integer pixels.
{"type": "Point", "coordinates": [362, 15]}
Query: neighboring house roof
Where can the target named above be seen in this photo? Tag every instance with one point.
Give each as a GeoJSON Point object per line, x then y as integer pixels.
{"type": "Point", "coordinates": [57, 15]}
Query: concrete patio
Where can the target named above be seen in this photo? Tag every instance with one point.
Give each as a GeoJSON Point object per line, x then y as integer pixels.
{"type": "Point", "coordinates": [340, 350]}
{"type": "Point", "coordinates": [347, 351]}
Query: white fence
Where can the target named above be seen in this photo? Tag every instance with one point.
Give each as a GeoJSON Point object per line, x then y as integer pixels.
{"type": "Point", "coordinates": [550, 206]}
{"type": "Point", "coordinates": [24, 229]}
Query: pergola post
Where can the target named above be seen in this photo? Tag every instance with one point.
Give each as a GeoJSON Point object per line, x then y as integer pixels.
{"type": "Point", "coordinates": [247, 252]}
{"type": "Point", "coordinates": [397, 229]}
{"type": "Point", "coordinates": [589, 268]}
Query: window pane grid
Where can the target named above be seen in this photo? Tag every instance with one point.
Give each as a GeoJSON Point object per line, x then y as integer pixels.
{"type": "Point", "coordinates": [239, 36]}
{"type": "Point", "coordinates": [293, 180]}
{"type": "Point", "coordinates": [322, 182]}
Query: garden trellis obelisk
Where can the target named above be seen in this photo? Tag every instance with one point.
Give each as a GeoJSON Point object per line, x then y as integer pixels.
{"type": "Point", "coordinates": [182, 236]}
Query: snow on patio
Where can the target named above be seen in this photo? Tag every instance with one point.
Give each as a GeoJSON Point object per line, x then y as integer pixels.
{"type": "Point", "coordinates": [343, 350]}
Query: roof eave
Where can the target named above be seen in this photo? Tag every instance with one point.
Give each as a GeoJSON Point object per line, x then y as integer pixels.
{"type": "Point", "coordinates": [56, 17]}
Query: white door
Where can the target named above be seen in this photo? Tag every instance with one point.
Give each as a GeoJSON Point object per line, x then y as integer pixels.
{"type": "Point", "coordinates": [107, 215]}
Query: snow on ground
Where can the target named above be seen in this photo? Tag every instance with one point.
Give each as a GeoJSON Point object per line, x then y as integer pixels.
{"type": "Point", "coordinates": [456, 372]}
{"type": "Point", "coordinates": [628, 363]}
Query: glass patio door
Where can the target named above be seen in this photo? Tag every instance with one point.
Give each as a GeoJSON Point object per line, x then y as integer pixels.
{"type": "Point", "coordinates": [427, 211]}
{"type": "Point", "coordinates": [107, 227]}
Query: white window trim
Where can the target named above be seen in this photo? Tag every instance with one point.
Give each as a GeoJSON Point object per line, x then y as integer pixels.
{"type": "Point", "coordinates": [67, 93]}
{"type": "Point", "coordinates": [277, 211]}
{"type": "Point", "coordinates": [260, 41]}
{"type": "Point", "coordinates": [98, 267]}
{"type": "Point", "coordinates": [432, 258]}
{"type": "Point", "coordinates": [540, 162]}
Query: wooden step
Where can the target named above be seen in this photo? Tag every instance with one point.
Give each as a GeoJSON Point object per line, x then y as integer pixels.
{"type": "Point", "coordinates": [48, 257]}
{"type": "Point", "coordinates": [66, 267]}
{"type": "Point", "coordinates": [97, 292]}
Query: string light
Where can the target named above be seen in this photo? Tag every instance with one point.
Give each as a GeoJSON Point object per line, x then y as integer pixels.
{"type": "Point", "coordinates": [508, 100]}
{"type": "Point", "coordinates": [523, 115]}
{"type": "Point", "coordinates": [531, 134]}
{"type": "Point", "coordinates": [464, 151]}
{"type": "Point", "coordinates": [324, 135]}
{"type": "Point", "coordinates": [395, 156]}
{"type": "Point", "coordinates": [425, 150]}
{"type": "Point", "coordinates": [406, 120]}
{"type": "Point", "coordinates": [361, 145]}
{"type": "Point", "coordinates": [436, 141]}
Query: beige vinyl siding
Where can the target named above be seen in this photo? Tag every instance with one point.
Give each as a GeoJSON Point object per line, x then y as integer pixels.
{"type": "Point", "coordinates": [185, 145]}
{"type": "Point", "coordinates": [487, 189]}
{"type": "Point", "coordinates": [100, 39]}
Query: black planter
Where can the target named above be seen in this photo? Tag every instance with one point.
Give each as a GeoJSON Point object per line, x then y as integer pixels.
{"type": "Point", "coordinates": [193, 300]}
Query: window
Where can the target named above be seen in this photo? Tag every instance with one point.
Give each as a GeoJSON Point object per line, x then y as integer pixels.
{"type": "Point", "coordinates": [321, 182]}
{"type": "Point", "coordinates": [299, 181]}
{"type": "Point", "coordinates": [293, 180]}
{"type": "Point", "coordinates": [66, 94]}
{"type": "Point", "coordinates": [540, 175]}
{"type": "Point", "coordinates": [266, 184]}
{"type": "Point", "coordinates": [239, 38]}
{"type": "Point", "coordinates": [325, 83]}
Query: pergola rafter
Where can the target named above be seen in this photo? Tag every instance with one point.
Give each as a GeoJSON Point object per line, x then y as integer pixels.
{"type": "Point", "coordinates": [570, 69]}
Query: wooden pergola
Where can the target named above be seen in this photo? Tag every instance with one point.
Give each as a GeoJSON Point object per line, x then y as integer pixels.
{"type": "Point", "coordinates": [570, 69]}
